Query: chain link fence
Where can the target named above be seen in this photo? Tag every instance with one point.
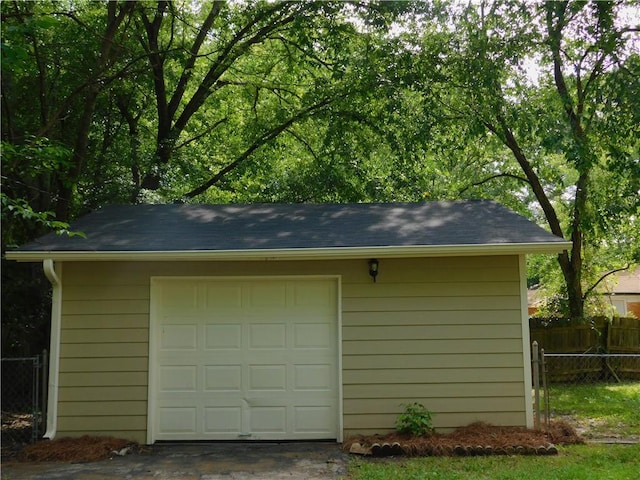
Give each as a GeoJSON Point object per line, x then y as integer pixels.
{"type": "Point", "coordinates": [24, 389]}
{"type": "Point", "coordinates": [585, 387]}
{"type": "Point", "coordinates": [591, 367]}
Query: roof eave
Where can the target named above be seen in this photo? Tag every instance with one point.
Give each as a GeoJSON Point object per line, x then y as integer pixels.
{"type": "Point", "coordinates": [294, 253]}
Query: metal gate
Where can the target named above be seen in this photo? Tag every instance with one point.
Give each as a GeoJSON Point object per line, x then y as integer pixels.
{"type": "Point", "coordinates": [24, 392]}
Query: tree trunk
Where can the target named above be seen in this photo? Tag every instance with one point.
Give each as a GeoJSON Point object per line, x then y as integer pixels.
{"type": "Point", "coordinates": [261, 23]}
{"type": "Point", "coordinates": [115, 18]}
{"type": "Point", "coordinates": [582, 157]}
{"type": "Point", "coordinates": [573, 282]}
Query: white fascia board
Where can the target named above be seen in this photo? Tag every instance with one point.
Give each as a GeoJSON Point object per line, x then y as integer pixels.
{"type": "Point", "coordinates": [295, 253]}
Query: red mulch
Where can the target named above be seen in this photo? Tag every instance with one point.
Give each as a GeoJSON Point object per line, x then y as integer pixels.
{"type": "Point", "coordinates": [477, 439]}
{"type": "Point", "coordinates": [81, 449]}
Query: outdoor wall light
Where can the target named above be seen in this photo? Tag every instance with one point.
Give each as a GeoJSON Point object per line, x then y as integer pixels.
{"type": "Point", "coordinates": [373, 268]}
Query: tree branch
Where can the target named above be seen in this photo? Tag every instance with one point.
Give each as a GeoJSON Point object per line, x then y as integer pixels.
{"type": "Point", "coordinates": [305, 143]}
{"type": "Point", "coordinates": [187, 71]}
{"type": "Point", "coordinates": [593, 287]}
{"type": "Point", "coordinates": [259, 142]}
{"type": "Point", "coordinates": [233, 50]}
{"type": "Point", "coordinates": [156, 60]}
{"type": "Point", "coordinates": [509, 139]}
{"type": "Point", "coordinates": [286, 42]}
{"type": "Point", "coordinates": [554, 29]}
{"type": "Point", "coordinates": [203, 133]}
{"type": "Point", "coordinates": [492, 177]}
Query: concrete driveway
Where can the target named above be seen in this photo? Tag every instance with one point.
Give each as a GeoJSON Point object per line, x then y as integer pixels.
{"type": "Point", "coordinates": [204, 461]}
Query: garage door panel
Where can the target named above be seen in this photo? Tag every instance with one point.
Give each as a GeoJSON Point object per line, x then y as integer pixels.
{"type": "Point", "coordinates": [219, 378]}
{"type": "Point", "coordinates": [267, 336]}
{"type": "Point", "coordinates": [312, 335]}
{"type": "Point", "coordinates": [223, 420]}
{"type": "Point", "coordinates": [182, 318]}
{"type": "Point", "coordinates": [319, 294]}
{"type": "Point", "coordinates": [267, 295]}
{"type": "Point", "coordinates": [251, 359]}
{"type": "Point", "coordinates": [313, 419]}
{"type": "Point", "coordinates": [225, 336]}
{"type": "Point", "coordinates": [222, 297]}
{"type": "Point", "coordinates": [273, 398]}
{"type": "Point", "coordinates": [178, 378]}
{"type": "Point", "coordinates": [306, 357]}
{"type": "Point", "coordinates": [179, 298]}
{"type": "Point", "coordinates": [268, 420]}
{"type": "Point", "coordinates": [179, 337]}
{"type": "Point", "coordinates": [313, 377]}
{"type": "Point", "coordinates": [267, 377]}
{"type": "Point", "coordinates": [177, 420]}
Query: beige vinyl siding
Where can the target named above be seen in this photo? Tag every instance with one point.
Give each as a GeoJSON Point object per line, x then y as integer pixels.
{"type": "Point", "coordinates": [104, 345]}
{"type": "Point", "coordinates": [442, 331]}
{"type": "Point", "coordinates": [445, 332]}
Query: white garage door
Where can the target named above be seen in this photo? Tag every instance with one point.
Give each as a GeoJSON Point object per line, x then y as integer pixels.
{"type": "Point", "coordinates": [243, 359]}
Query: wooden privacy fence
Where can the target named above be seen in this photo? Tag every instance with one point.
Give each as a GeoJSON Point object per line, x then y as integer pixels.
{"type": "Point", "coordinates": [604, 348]}
{"type": "Point", "coordinates": [618, 335]}
{"type": "Point", "coordinates": [623, 335]}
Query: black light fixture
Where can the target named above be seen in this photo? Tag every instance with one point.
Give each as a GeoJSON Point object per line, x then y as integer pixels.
{"type": "Point", "coordinates": [373, 268]}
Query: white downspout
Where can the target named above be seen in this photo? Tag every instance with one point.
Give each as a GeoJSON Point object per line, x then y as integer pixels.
{"type": "Point", "coordinates": [526, 342]}
{"type": "Point", "coordinates": [54, 348]}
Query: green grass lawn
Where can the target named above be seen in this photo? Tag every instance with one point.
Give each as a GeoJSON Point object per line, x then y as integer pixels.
{"type": "Point", "coordinates": [576, 462]}
{"type": "Point", "coordinates": [599, 409]}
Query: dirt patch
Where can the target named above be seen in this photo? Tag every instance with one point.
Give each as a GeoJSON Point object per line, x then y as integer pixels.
{"type": "Point", "coordinates": [563, 433]}
{"type": "Point", "coordinates": [475, 439]}
{"type": "Point", "coordinates": [594, 429]}
{"type": "Point", "coordinates": [81, 449]}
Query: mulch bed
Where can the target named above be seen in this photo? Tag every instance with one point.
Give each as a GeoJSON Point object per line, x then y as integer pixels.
{"type": "Point", "coordinates": [76, 450]}
{"type": "Point", "coordinates": [475, 439]}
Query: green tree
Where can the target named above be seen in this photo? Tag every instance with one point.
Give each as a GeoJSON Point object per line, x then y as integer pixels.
{"type": "Point", "coordinates": [57, 64]}
{"type": "Point", "coordinates": [155, 101]}
{"type": "Point", "coordinates": [571, 132]}
{"type": "Point", "coordinates": [158, 101]}
{"type": "Point", "coordinates": [249, 79]}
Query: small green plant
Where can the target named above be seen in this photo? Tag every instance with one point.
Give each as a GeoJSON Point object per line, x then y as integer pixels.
{"type": "Point", "coordinates": [415, 420]}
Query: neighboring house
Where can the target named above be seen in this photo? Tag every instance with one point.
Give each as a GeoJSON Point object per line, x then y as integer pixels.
{"type": "Point", "coordinates": [534, 300]}
{"type": "Point", "coordinates": [623, 292]}
{"type": "Point", "coordinates": [267, 322]}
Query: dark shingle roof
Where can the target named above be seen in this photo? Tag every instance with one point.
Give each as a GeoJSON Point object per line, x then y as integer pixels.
{"type": "Point", "coordinates": [180, 228]}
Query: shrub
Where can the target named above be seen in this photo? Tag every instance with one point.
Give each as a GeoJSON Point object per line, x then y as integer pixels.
{"type": "Point", "coordinates": [415, 420]}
